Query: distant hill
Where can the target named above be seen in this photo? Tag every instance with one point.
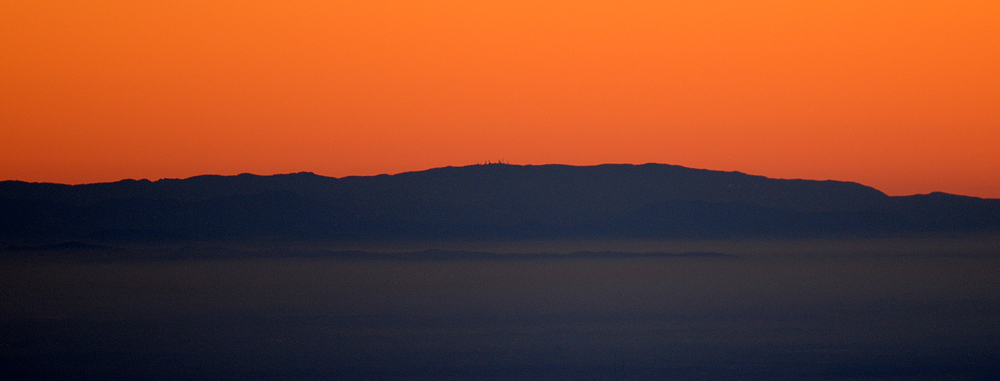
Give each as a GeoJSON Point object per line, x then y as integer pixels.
{"type": "Point", "coordinates": [497, 201]}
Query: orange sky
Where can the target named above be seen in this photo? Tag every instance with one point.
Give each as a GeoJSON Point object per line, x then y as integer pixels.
{"type": "Point", "coordinates": [901, 95]}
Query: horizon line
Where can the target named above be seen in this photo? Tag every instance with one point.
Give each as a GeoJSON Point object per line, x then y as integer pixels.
{"type": "Point", "coordinates": [483, 163]}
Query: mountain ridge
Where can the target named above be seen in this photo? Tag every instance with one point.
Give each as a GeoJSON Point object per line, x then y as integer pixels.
{"type": "Point", "coordinates": [481, 201]}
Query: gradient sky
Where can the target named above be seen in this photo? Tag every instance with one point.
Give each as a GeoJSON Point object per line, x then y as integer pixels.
{"type": "Point", "coordinates": [900, 95]}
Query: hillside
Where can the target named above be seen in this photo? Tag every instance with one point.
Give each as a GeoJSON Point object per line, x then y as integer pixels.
{"type": "Point", "coordinates": [480, 201]}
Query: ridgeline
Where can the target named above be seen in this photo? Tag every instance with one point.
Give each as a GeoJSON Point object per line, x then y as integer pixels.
{"type": "Point", "coordinates": [493, 201]}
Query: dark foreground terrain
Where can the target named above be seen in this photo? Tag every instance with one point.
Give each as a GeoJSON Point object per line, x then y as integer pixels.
{"type": "Point", "coordinates": [778, 309]}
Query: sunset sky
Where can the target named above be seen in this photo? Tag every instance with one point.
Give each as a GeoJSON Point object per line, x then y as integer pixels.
{"type": "Point", "coordinates": [900, 95]}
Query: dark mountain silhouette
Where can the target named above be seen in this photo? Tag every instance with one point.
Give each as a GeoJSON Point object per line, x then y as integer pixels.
{"type": "Point", "coordinates": [480, 201]}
